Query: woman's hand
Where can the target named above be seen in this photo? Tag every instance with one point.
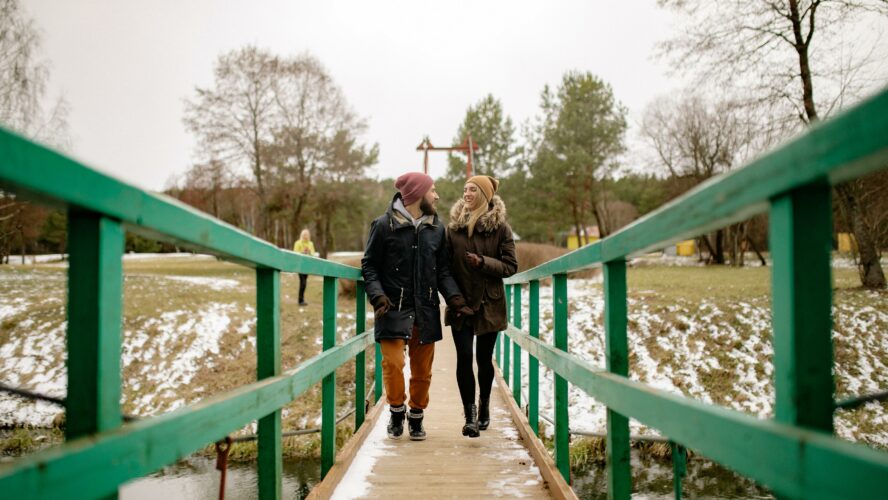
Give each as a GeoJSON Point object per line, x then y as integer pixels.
{"type": "Point", "coordinates": [474, 260]}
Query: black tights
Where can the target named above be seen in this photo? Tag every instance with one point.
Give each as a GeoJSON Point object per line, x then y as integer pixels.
{"type": "Point", "coordinates": [465, 375]}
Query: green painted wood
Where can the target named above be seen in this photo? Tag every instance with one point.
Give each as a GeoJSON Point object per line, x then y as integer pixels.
{"type": "Point", "coordinates": [799, 463]}
{"type": "Point", "coordinates": [516, 349]}
{"type": "Point", "coordinates": [95, 296]}
{"type": "Point", "coordinates": [328, 386]}
{"type": "Point", "coordinates": [801, 242]}
{"type": "Point", "coordinates": [94, 466]}
{"type": "Point", "coordinates": [95, 291]}
{"type": "Point", "coordinates": [507, 358]}
{"type": "Point", "coordinates": [360, 359]}
{"type": "Point", "coordinates": [679, 467]}
{"type": "Point", "coordinates": [533, 365]}
{"type": "Point", "coordinates": [562, 424]}
{"type": "Point", "coordinates": [377, 374]}
{"type": "Point", "coordinates": [850, 145]}
{"type": "Point", "coordinates": [619, 473]}
{"type": "Point", "coordinates": [497, 349]}
{"type": "Point", "coordinates": [268, 364]}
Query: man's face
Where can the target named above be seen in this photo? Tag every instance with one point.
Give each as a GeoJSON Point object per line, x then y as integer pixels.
{"type": "Point", "coordinates": [429, 202]}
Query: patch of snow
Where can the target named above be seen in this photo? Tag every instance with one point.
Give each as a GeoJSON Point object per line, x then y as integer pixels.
{"type": "Point", "coordinates": [218, 284]}
{"type": "Point", "coordinates": [355, 482]}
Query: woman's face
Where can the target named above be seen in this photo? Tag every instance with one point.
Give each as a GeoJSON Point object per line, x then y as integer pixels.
{"type": "Point", "coordinates": [472, 195]}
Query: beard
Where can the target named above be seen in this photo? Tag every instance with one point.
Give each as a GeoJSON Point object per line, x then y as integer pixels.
{"type": "Point", "coordinates": [427, 208]}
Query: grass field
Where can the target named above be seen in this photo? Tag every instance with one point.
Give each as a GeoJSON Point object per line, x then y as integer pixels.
{"type": "Point", "coordinates": [189, 332]}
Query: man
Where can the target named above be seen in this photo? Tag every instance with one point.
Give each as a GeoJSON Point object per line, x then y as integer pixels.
{"type": "Point", "coordinates": [405, 265]}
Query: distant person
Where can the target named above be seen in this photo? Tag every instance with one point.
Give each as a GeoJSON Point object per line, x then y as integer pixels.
{"type": "Point", "coordinates": [304, 246]}
{"type": "Point", "coordinates": [482, 253]}
{"type": "Point", "coordinates": [405, 265]}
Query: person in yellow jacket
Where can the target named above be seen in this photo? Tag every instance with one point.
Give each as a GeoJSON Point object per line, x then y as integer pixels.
{"type": "Point", "coordinates": [305, 246]}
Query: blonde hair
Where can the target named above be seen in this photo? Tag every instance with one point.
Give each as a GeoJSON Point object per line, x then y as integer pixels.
{"type": "Point", "coordinates": [477, 212]}
{"type": "Point", "coordinates": [305, 235]}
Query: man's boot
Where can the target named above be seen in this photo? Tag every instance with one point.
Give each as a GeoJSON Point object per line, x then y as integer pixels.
{"type": "Point", "coordinates": [396, 421]}
{"type": "Point", "coordinates": [471, 427]}
{"type": "Point", "coordinates": [414, 423]}
{"type": "Point", "coordinates": [483, 413]}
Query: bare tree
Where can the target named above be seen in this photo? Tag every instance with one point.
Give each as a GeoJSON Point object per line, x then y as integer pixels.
{"type": "Point", "coordinates": [237, 117]}
{"type": "Point", "coordinates": [768, 48]}
{"type": "Point", "coordinates": [695, 138]}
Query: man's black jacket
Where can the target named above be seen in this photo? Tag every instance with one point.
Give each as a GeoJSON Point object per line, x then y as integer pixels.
{"type": "Point", "coordinates": [410, 265]}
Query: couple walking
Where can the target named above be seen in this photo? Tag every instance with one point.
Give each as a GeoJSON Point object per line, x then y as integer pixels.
{"type": "Point", "coordinates": [410, 258]}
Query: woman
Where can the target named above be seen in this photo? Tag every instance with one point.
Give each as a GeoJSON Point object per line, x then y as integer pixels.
{"type": "Point", "coordinates": [304, 246]}
{"type": "Point", "coordinates": [482, 253]}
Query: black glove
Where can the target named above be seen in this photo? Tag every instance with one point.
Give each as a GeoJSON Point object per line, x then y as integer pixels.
{"type": "Point", "coordinates": [381, 305]}
{"type": "Point", "coordinates": [474, 260]}
{"type": "Point", "coordinates": [458, 304]}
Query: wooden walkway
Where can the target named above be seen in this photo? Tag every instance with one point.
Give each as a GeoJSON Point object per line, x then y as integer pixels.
{"type": "Point", "coordinates": [446, 464]}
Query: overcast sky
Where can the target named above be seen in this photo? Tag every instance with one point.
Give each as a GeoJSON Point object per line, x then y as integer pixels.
{"type": "Point", "coordinates": [409, 68]}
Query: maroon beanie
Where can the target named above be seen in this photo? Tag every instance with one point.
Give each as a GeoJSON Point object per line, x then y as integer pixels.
{"type": "Point", "coordinates": [413, 186]}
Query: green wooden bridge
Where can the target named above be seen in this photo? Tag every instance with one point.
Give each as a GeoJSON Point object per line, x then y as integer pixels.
{"type": "Point", "coordinates": [795, 454]}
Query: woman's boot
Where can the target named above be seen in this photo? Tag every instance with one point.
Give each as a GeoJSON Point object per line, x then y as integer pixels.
{"type": "Point", "coordinates": [471, 427]}
{"type": "Point", "coordinates": [483, 414]}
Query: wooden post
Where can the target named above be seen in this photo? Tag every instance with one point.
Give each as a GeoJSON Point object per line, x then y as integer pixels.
{"type": "Point", "coordinates": [360, 359]}
{"type": "Point", "coordinates": [562, 429]}
{"type": "Point", "coordinates": [619, 473]}
{"type": "Point", "coordinates": [516, 352]}
{"type": "Point", "coordinates": [533, 364]}
{"type": "Point", "coordinates": [95, 293]}
{"type": "Point", "coordinates": [268, 352]}
{"type": "Point", "coordinates": [328, 386]}
{"type": "Point", "coordinates": [801, 241]}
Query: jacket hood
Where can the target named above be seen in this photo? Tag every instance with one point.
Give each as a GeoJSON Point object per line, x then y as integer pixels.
{"type": "Point", "coordinates": [490, 221]}
{"type": "Point", "coordinates": [401, 219]}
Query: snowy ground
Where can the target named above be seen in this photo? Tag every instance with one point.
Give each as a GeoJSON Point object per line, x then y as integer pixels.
{"type": "Point", "coordinates": [717, 354]}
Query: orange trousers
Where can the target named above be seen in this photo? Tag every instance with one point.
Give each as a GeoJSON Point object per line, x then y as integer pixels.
{"type": "Point", "coordinates": [421, 357]}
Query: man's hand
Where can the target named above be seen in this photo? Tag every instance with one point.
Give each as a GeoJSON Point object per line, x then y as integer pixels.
{"type": "Point", "coordinates": [458, 304]}
{"type": "Point", "coordinates": [474, 260]}
{"type": "Point", "coordinates": [381, 305]}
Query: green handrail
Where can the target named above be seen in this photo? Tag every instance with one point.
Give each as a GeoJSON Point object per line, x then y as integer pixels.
{"type": "Point", "coordinates": [101, 452]}
{"type": "Point", "coordinates": [794, 454]}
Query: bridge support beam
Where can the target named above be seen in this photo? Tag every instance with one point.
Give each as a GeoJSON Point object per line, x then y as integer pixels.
{"type": "Point", "coordinates": [801, 242]}
{"type": "Point", "coordinates": [533, 364]}
{"type": "Point", "coordinates": [516, 349]}
{"type": "Point", "coordinates": [562, 429]}
{"type": "Point", "coordinates": [268, 364]}
{"type": "Point", "coordinates": [360, 359]}
{"type": "Point", "coordinates": [95, 297]}
{"type": "Point", "coordinates": [328, 386]}
{"type": "Point", "coordinates": [619, 473]}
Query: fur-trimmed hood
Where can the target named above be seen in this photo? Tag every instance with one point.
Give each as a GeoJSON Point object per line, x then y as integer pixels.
{"type": "Point", "coordinates": [489, 222]}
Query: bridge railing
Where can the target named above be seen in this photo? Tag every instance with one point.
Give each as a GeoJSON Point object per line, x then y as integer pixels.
{"type": "Point", "coordinates": [794, 454]}
{"type": "Point", "coordinates": [101, 452]}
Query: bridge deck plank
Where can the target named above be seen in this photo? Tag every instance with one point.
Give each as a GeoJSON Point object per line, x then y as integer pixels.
{"type": "Point", "coordinates": [446, 465]}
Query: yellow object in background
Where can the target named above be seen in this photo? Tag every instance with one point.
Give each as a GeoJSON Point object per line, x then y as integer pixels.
{"type": "Point", "coordinates": [686, 248]}
{"type": "Point", "coordinates": [847, 243]}
{"type": "Point", "coordinates": [572, 241]}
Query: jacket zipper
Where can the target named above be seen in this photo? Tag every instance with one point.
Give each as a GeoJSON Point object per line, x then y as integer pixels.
{"type": "Point", "coordinates": [401, 300]}
{"type": "Point", "coordinates": [430, 294]}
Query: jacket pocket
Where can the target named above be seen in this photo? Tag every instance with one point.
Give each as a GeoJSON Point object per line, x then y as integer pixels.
{"type": "Point", "coordinates": [398, 323]}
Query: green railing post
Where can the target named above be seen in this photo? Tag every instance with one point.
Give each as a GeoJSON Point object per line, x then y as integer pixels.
{"type": "Point", "coordinates": [497, 349]}
{"type": "Point", "coordinates": [533, 364]}
{"type": "Point", "coordinates": [679, 467]}
{"type": "Point", "coordinates": [562, 429]}
{"type": "Point", "coordinates": [619, 474]}
{"type": "Point", "coordinates": [328, 386]}
{"type": "Point", "coordinates": [516, 351]}
{"type": "Point", "coordinates": [360, 359]}
{"type": "Point", "coordinates": [801, 241]}
{"type": "Point", "coordinates": [268, 364]}
{"type": "Point", "coordinates": [507, 347]}
{"type": "Point", "coordinates": [95, 297]}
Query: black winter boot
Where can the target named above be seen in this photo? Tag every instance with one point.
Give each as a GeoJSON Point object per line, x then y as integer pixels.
{"type": "Point", "coordinates": [483, 413]}
{"type": "Point", "coordinates": [396, 421]}
{"type": "Point", "coordinates": [471, 427]}
{"type": "Point", "coordinates": [414, 422]}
